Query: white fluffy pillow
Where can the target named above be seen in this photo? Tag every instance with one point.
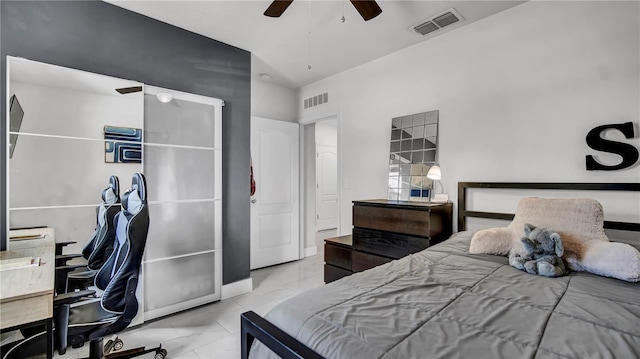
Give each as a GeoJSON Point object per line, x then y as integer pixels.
{"type": "Point", "coordinates": [609, 259]}
{"type": "Point", "coordinates": [576, 220]}
{"type": "Point", "coordinates": [496, 241]}
{"type": "Point", "coordinates": [580, 223]}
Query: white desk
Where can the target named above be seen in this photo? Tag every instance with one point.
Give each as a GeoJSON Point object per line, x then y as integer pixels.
{"type": "Point", "coordinates": [26, 294]}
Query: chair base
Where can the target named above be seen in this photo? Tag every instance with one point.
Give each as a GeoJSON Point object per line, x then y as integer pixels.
{"type": "Point", "coordinates": [96, 351]}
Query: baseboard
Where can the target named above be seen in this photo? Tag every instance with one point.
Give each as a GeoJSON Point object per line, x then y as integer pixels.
{"type": "Point", "coordinates": [175, 308]}
{"type": "Point", "coordinates": [310, 251]}
{"type": "Point", "coordinates": [236, 288]}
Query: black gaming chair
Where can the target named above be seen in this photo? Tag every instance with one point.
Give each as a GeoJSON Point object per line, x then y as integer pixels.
{"type": "Point", "coordinates": [118, 278]}
{"type": "Point", "coordinates": [100, 246]}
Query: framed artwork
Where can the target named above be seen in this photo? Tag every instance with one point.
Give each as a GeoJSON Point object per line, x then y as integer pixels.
{"type": "Point", "coordinates": [122, 145]}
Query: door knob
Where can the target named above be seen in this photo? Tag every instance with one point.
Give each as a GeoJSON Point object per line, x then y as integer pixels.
{"type": "Point", "coordinates": [253, 200]}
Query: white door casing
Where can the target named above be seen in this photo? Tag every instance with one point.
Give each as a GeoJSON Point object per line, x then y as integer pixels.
{"type": "Point", "coordinates": [326, 187]}
{"type": "Point", "coordinates": [275, 212]}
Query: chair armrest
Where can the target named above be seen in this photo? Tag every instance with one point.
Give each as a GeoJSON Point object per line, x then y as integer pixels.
{"type": "Point", "coordinates": [61, 306]}
{"type": "Point", "coordinates": [62, 259]}
{"type": "Point", "coordinates": [70, 267]}
{"type": "Point", "coordinates": [72, 297]}
{"type": "Point", "coordinates": [82, 275]}
{"type": "Point", "coordinates": [62, 274]}
{"type": "Point", "coordinates": [60, 245]}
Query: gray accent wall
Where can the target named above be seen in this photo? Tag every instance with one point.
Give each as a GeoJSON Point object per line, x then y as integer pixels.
{"type": "Point", "coordinates": [99, 37]}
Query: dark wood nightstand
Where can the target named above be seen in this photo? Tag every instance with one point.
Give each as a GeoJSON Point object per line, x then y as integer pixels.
{"type": "Point", "coordinates": [384, 230]}
{"type": "Point", "coordinates": [337, 258]}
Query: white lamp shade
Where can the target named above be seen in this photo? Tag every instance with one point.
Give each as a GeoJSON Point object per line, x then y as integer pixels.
{"type": "Point", "coordinates": [434, 173]}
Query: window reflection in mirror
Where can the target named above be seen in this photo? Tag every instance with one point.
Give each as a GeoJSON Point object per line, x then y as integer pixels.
{"type": "Point", "coordinates": [413, 150]}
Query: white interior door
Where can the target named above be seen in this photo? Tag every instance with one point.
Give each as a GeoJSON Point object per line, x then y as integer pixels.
{"type": "Point", "coordinates": [326, 187]}
{"type": "Point", "coordinates": [275, 211]}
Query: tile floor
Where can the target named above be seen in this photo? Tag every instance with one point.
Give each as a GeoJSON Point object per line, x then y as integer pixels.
{"type": "Point", "coordinates": [213, 330]}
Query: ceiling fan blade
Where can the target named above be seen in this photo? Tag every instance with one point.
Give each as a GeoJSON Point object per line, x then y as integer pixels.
{"type": "Point", "coordinates": [277, 8]}
{"type": "Point", "coordinates": [126, 90]}
{"type": "Point", "coordinates": [367, 9]}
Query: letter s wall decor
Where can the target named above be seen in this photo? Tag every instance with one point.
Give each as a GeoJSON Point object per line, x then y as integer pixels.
{"type": "Point", "coordinates": [628, 152]}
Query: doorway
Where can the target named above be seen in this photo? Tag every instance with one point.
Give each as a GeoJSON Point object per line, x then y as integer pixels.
{"type": "Point", "coordinates": [321, 190]}
{"type": "Point", "coordinates": [326, 136]}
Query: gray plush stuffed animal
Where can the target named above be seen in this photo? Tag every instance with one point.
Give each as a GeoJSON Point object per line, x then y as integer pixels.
{"type": "Point", "coordinates": [544, 250]}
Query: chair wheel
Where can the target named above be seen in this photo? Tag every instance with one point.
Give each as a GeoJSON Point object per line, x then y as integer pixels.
{"type": "Point", "coordinates": [161, 354]}
{"type": "Point", "coordinates": [118, 344]}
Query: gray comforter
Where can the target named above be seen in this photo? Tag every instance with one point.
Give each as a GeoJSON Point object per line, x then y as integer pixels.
{"type": "Point", "coordinates": [446, 303]}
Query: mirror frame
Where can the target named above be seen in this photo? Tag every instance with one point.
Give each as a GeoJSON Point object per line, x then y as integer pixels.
{"type": "Point", "coordinates": [413, 150]}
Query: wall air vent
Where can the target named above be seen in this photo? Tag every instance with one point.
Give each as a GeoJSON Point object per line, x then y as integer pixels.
{"type": "Point", "coordinates": [316, 100]}
{"type": "Point", "coordinates": [437, 22]}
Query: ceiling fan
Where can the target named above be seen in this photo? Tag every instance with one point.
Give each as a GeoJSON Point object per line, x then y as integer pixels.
{"type": "Point", "coordinates": [368, 9]}
{"type": "Point", "coordinates": [126, 90]}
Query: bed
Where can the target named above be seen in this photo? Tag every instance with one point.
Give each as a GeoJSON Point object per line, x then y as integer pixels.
{"type": "Point", "coordinates": [444, 302]}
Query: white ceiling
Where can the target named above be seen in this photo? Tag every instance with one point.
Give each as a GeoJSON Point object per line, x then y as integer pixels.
{"type": "Point", "coordinates": [281, 48]}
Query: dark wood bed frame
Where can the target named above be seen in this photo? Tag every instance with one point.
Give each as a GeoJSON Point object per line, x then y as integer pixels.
{"type": "Point", "coordinates": [254, 326]}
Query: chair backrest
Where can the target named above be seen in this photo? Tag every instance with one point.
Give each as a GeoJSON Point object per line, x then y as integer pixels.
{"type": "Point", "coordinates": [132, 225]}
{"type": "Point", "coordinates": [100, 246]}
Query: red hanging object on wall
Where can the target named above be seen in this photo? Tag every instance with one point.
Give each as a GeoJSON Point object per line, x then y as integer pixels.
{"type": "Point", "coordinates": [253, 181]}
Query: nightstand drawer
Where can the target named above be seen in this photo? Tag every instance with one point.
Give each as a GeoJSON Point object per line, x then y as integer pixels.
{"type": "Point", "coordinates": [338, 256]}
{"type": "Point", "coordinates": [392, 219]}
{"type": "Point", "coordinates": [332, 273]}
{"type": "Point", "coordinates": [362, 261]}
{"type": "Point", "coordinates": [392, 245]}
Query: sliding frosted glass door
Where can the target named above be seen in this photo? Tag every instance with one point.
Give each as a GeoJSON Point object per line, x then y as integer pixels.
{"type": "Point", "coordinates": [182, 163]}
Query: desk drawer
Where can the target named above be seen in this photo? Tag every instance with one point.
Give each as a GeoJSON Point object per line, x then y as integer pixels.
{"type": "Point", "coordinates": [392, 219]}
{"type": "Point", "coordinates": [338, 256]}
{"type": "Point", "coordinates": [26, 310]}
{"type": "Point", "coordinates": [363, 261]}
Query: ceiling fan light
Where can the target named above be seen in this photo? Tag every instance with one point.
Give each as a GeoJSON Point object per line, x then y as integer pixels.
{"type": "Point", "coordinates": [164, 97]}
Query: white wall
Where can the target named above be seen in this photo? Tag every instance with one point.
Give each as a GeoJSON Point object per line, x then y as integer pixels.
{"type": "Point", "coordinates": [517, 93]}
{"type": "Point", "coordinates": [272, 101]}
{"type": "Point", "coordinates": [327, 133]}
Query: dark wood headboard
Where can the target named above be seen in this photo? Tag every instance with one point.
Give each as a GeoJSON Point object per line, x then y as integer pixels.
{"type": "Point", "coordinates": [463, 213]}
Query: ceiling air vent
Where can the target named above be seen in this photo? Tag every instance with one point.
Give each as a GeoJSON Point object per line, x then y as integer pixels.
{"type": "Point", "coordinates": [437, 22]}
{"type": "Point", "coordinates": [426, 28]}
{"type": "Point", "coordinates": [316, 100]}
